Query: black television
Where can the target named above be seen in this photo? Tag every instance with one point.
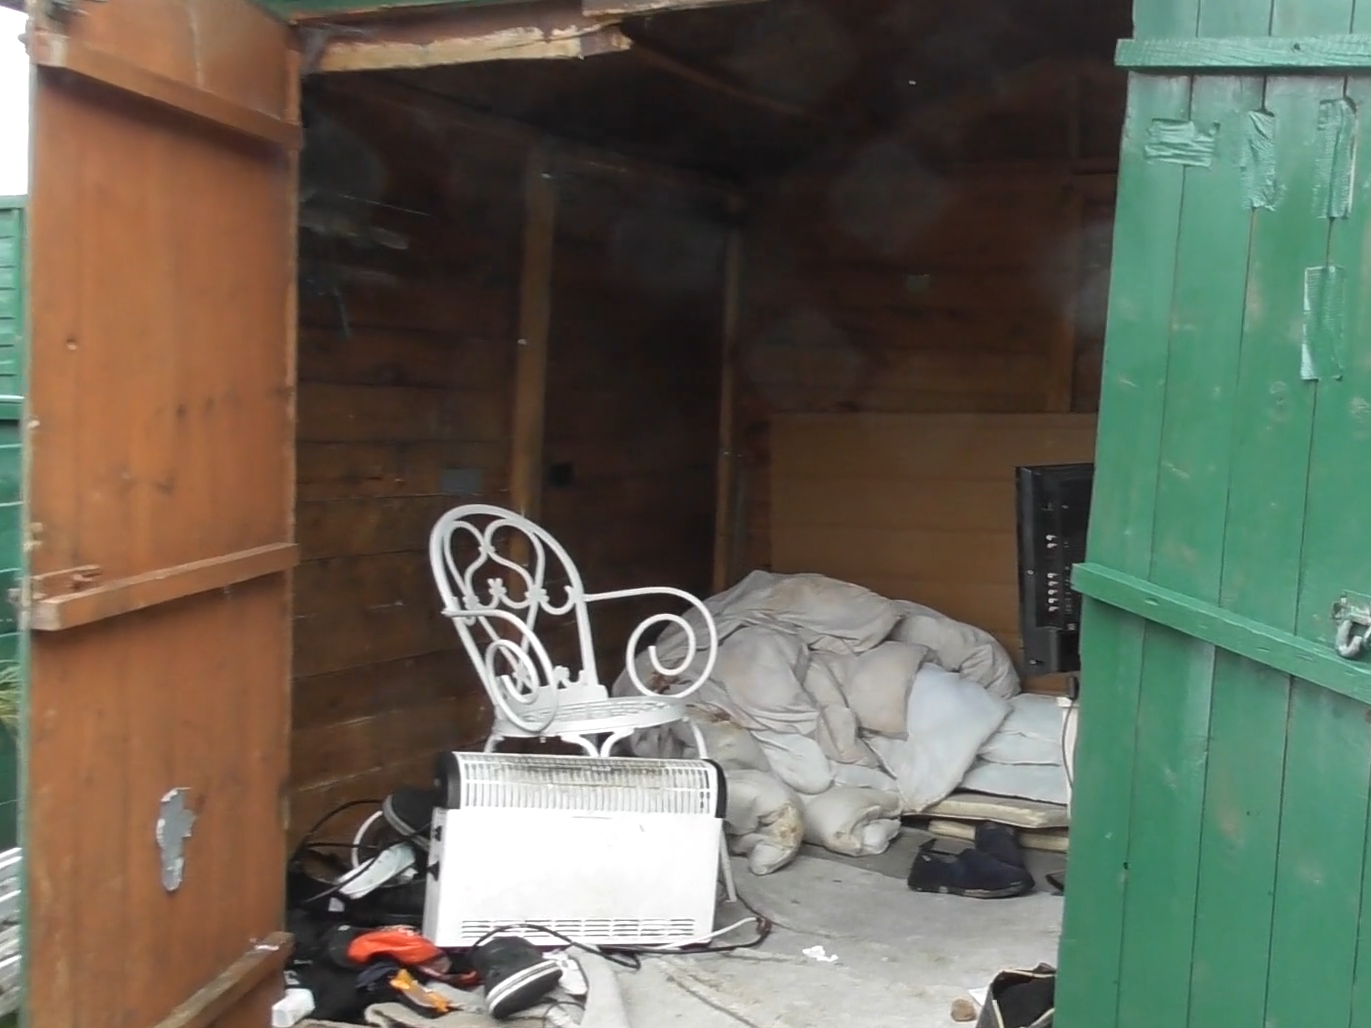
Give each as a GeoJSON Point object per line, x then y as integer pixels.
{"type": "Point", "coordinates": [1053, 512]}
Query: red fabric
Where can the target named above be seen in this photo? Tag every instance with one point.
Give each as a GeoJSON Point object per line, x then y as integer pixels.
{"type": "Point", "coordinates": [402, 944]}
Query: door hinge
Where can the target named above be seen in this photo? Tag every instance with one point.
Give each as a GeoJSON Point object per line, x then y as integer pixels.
{"type": "Point", "coordinates": [1352, 615]}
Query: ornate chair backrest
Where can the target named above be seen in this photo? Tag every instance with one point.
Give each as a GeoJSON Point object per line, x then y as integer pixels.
{"type": "Point", "coordinates": [495, 601]}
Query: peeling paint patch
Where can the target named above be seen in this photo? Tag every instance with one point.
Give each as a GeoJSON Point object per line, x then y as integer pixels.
{"type": "Point", "coordinates": [175, 820]}
{"type": "Point", "coordinates": [1324, 305]}
{"type": "Point", "coordinates": [1336, 163]}
{"type": "Point", "coordinates": [1181, 142]}
{"type": "Point", "coordinates": [1259, 160]}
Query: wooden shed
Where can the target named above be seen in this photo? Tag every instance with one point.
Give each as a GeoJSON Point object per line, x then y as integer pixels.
{"type": "Point", "coordinates": [704, 287]}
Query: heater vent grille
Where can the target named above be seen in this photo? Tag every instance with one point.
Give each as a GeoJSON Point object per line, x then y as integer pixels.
{"type": "Point", "coordinates": [588, 784]}
{"type": "Point", "coordinates": [618, 931]}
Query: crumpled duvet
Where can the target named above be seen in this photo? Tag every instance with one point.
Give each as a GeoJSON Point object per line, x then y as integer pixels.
{"type": "Point", "coordinates": [856, 707]}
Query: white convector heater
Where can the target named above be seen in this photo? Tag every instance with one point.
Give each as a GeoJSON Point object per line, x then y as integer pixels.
{"type": "Point", "coordinates": [609, 851]}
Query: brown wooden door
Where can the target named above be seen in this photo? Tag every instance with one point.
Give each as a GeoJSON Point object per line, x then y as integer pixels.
{"type": "Point", "coordinates": [160, 483]}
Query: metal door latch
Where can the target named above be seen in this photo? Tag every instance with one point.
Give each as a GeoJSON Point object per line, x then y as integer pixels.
{"type": "Point", "coordinates": [1352, 614]}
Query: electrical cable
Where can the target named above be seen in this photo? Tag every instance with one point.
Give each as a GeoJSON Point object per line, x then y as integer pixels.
{"type": "Point", "coordinates": [361, 834]}
{"type": "Point", "coordinates": [1068, 716]}
{"type": "Point", "coordinates": [308, 844]}
{"type": "Point", "coordinates": [559, 1007]}
{"type": "Point", "coordinates": [628, 956]}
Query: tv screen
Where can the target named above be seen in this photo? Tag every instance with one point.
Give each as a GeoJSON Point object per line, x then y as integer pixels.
{"type": "Point", "coordinates": [1053, 513]}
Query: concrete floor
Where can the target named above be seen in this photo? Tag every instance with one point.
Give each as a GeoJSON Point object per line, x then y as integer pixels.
{"type": "Point", "coordinates": [903, 957]}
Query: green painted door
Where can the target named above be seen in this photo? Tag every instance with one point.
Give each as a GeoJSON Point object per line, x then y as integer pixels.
{"type": "Point", "coordinates": [11, 390]}
{"type": "Point", "coordinates": [1219, 873]}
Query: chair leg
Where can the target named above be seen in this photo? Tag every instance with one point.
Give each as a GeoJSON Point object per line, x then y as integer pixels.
{"type": "Point", "coordinates": [725, 864]}
{"type": "Point", "coordinates": [586, 744]}
{"type": "Point", "coordinates": [612, 740]}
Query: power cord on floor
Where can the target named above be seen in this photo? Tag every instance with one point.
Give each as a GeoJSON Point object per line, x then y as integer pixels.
{"type": "Point", "coordinates": [556, 1015]}
{"type": "Point", "coordinates": [308, 845]}
{"type": "Point", "coordinates": [1068, 716]}
{"type": "Point", "coordinates": [631, 956]}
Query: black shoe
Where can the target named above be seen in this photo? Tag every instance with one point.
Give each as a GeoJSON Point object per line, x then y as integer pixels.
{"type": "Point", "coordinates": [514, 973]}
{"type": "Point", "coordinates": [1000, 842]}
{"type": "Point", "coordinates": [410, 812]}
{"type": "Point", "coordinates": [970, 873]}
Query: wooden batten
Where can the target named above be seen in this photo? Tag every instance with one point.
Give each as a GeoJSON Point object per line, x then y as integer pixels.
{"type": "Point", "coordinates": [726, 480]}
{"type": "Point", "coordinates": [631, 8]}
{"type": "Point", "coordinates": [563, 153]}
{"type": "Point", "coordinates": [1061, 374]}
{"type": "Point", "coordinates": [538, 31]}
{"type": "Point", "coordinates": [716, 83]}
{"type": "Point", "coordinates": [404, 412]}
{"type": "Point", "coordinates": [535, 311]}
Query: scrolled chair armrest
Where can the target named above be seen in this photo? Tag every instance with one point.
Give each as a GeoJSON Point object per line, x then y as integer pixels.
{"type": "Point", "coordinates": [533, 707]}
{"type": "Point", "coordinates": [681, 621]}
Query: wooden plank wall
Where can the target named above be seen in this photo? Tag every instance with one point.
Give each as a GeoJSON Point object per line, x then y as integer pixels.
{"type": "Point", "coordinates": [418, 382]}
{"type": "Point", "coordinates": [633, 390]}
{"type": "Point", "coordinates": [884, 280]}
{"type": "Point", "coordinates": [422, 380]}
{"type": "Point", "coordinates": [915, 506]}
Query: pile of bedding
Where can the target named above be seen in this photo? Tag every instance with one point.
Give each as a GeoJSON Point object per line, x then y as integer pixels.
{"type": "Point", "coordinates": [834, 711]}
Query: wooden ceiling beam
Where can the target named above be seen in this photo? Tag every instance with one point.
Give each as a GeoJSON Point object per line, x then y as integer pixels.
{"type": "Point", "coordinates": [671, 65]}
{"type": "Point", "coordinates": [546, 30]}
{"type": "Point", "coordinates": [635, 8]}
{"type": "Point", "coordinates": [561, 150]}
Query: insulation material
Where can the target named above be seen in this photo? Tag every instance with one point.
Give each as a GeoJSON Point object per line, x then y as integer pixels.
{"type": "Point", "coordinates": [797, 760]}
{"type": "Point", "coordinates": [877, 685]}
{"type": "Point", "coordinates": [765, 820]}
{"type": "Point", "coordinates": [950, 718]}
{"type": "Point", "coordinates": [757, 682]}
{"type": "Point", "coordinates": [838, 729]}
{"type": "Point", "coordinates": [956, 646]}
{"type": "Point", "coordinates": [853, 822]}
{"type": "Point", "coordinates": [1031, 734]}
{"type": "Point", "coordinates": [1046, 783]}
{"type": "Point", "coordinates": [854, 707]}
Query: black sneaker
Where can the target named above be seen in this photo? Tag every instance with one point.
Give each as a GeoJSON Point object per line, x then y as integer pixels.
{"type": "Point", "coordinates": [1000, 842]}
{"type": "Point", "coordinates": [514, 973]}
{"type": "Point", "coordinates": [409, 811]}
{"type": "Point", "coordinates": [970, 873]}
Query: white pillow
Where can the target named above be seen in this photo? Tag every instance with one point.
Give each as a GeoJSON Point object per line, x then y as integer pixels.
{"type": "Point", "coordinates": [949, 719]}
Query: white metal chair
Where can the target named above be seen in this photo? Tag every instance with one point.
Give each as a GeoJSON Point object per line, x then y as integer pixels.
{"type": "Point", "coordinates": [495, 603]}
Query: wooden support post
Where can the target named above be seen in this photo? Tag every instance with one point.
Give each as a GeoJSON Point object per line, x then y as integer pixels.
{"type": "Point", "coordinates": [1061, 370]}
{"type": "Point", "coordinates": [535, 311]}
{"type": "Point", "coordinates": [728, 387]}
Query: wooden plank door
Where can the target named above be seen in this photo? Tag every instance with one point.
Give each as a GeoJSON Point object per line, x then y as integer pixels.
{"type": "Point", "coordinates": [159, 496]}
{"type": "Point", "coordinates": [1219, 871]}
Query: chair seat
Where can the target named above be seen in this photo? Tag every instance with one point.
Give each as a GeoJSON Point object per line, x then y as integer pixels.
{"type": "Point", "coordinates": [602, 716]}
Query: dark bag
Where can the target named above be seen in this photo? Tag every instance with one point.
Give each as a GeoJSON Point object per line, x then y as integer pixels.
{"type": "Point", "coordinates": [1021, 999]}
